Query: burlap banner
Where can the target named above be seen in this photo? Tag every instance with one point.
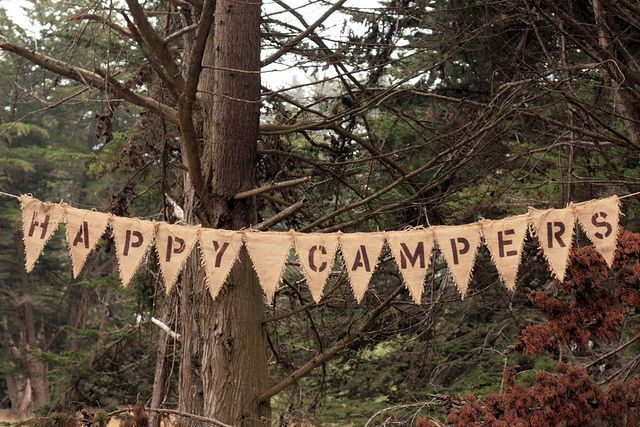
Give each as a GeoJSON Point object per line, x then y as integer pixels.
{"type": "Point", "coordinates": [174, 243]}
{"type": "Point", "coordinates": [219, 250]}
{"type": "Point", "coordinates": [554, 229]}
{"type": "Point", "coordinates": [599, 220]}
{"type": "Point", "coordinates": [316, 252]}
{"type": "Point", "coordinates": [360, 252]}
{"type": "Point", "coordinates": [459, 244]}
{"type": "Point", "coordinates": [133, 239]}
{"type": "Point", "coordinates": [505, 240]}
{"type": "Point", "coordinates": [84, 229]}
{"type": "Point", "coordinates": [268, 252]}
{"type": "Point", "coordinates": [39, 222]}
{"type": "Point", "coordinates": [412, 252]}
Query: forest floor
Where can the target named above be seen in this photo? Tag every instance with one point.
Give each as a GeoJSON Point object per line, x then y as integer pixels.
{"type": "Point", "coordinates": [7, 419]}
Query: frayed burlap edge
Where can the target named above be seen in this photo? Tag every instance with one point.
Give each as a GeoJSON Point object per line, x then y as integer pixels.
{"type": "Point", "coordinates": [462, 287]}
{"type": "Point", "coordinates": [534, 232]}
{"type": "Point", "coordinates": [616, 227]}
{"type": "Point", "coordinates": [512, 287]}
{"type": "Point", "coordinates": [269, 293]}
{"type": "Point", "coordinates": [373, 270]}
{"type": "Point", "coordinates": [168, 286]}
{"type": "Point", "coordinates": [143, 256]}
{"type": "Point", "coordinates": [26, 199]}
{"type": "Point", "coordinates": [213, 290]}
{"type": "Point", "coordinates": [416, 298]}
{"type": "Point", "coordinates": [77, 265]}
{"type": "Point", "coordinates": [305, 273]}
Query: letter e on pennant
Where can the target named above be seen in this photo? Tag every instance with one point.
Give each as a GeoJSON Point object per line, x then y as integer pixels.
{"type": "Point", "coordinates": [505, 240]}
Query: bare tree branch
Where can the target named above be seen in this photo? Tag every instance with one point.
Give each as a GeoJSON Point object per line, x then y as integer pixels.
{"type": "Point", "coordinates": [91, 79]}
{"type": "Point", "coordinates": [189, 140]}
{"type": "Point", "coordinates": [280, 216]}
{"type": "Point", "coordinates": [294, 41]}
{"type": "Point", "coordinates": [272, 187]}
{"type": "Point", "coordinates": [320, 358]}
{"type": "Point", "coordinates": [169, 70]}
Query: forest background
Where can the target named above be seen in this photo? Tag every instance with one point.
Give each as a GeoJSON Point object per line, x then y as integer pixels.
{"type": "Point", "coordinates": [405, 113]}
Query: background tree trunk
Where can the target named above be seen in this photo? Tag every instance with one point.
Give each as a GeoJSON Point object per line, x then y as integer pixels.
{"type": "Point", "coordinates": [224, 365]}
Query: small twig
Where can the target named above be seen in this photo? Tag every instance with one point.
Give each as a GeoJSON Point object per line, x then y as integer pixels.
{"type": "Point", "coordinates": [213, 421]}
{"type": "Point", "coordinates": [272, 187]}
{"type": "Point", "coordinates": [614, 351]}
{"type": "Point", "coordinates": [167, 329]}
{"type": "Point", "coordinates": [280, 216]}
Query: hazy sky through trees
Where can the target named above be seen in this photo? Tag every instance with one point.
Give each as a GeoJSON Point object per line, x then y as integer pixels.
{"type": "Point", "coordinates": [277, 75]}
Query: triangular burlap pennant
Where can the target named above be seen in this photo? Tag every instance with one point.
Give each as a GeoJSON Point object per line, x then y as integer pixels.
{"type": "Point", "coordinates": [459, 245]}
{"type": "Point", "coordinates": [360, 252]}
{"type": "Point", "coordinates": [133, 238]}
{"type": "Point", "coordinates": [505, 240]}
{"type": "Point", "coordinates": [316, 252]}
{"type": "Point", "coordinates": [599, 220]}
{"type": "Point", "coordinates": [554, 229]}
{"type": "Point", "coordinates": [39, 222]}
{"type": "Point", "coordinates": [219, 250]}
{"type": "Point", "coordinates": [268, 252]}
{"type": "Point", "coordinates": [174, 244]}
{"type": "Point", "coordinates": [412, 251]}
{"type": "Point", "coordinates": [84, 229]}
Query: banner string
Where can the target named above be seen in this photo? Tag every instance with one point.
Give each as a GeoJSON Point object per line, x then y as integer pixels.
{"type": "Point", "coordinates": [629, 195]}
{"type": "Point", "coordinates": [2, 193]}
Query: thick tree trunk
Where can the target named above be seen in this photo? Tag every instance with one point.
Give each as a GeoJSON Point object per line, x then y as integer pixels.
{"type": "Point", "coordinates": [224, 362]}
{"type": "Point", "coordinates": [626, 102]}
{"type": "Point", "coordinates": [36, 369]}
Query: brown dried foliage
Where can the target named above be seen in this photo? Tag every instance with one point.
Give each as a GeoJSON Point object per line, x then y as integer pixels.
{"type": "Point", "coordinates": [592, 303]}
{"type": "Point", "coordinates": [588, 308]}
{"type": "Point", "coordinates": [569, 398]}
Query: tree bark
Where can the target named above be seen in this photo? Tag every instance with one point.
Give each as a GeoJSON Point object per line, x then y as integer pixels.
{"type": "Point", "coordinates": [163, 361]}
{"type": "Point", "coordinates": [224, 364]}
{"type": "Point", "coordinates": [626, 102]}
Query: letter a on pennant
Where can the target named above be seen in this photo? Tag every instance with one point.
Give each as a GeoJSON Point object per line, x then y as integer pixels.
{"type": "Point", "coordinates": [459, 245]}
{"type": "Point", "coordinates": [360, 252]}
{"type": "Point", "coordinates": [174, 243]}
{"type": "Point", "coordinates": [412, 251]}
{"type": "Point", "coordinates": [84, 229]}
{"type": "Point", "coordinates": [599, 220]}
{"type": "Point", "coordinates": [505, 240]}
{"type": "Point", "coordinates": [268, 252]}
{"type": "Point", "coordinates": [133, 238]}
{"type": "Point", "coordinates": [219, 250]}
{"type": "Point", "coordinates": [316, 252]}
{"type": "Point", "coordinates": [554, 229]}
{"type": "Point", "coordinates": [39, 222]}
